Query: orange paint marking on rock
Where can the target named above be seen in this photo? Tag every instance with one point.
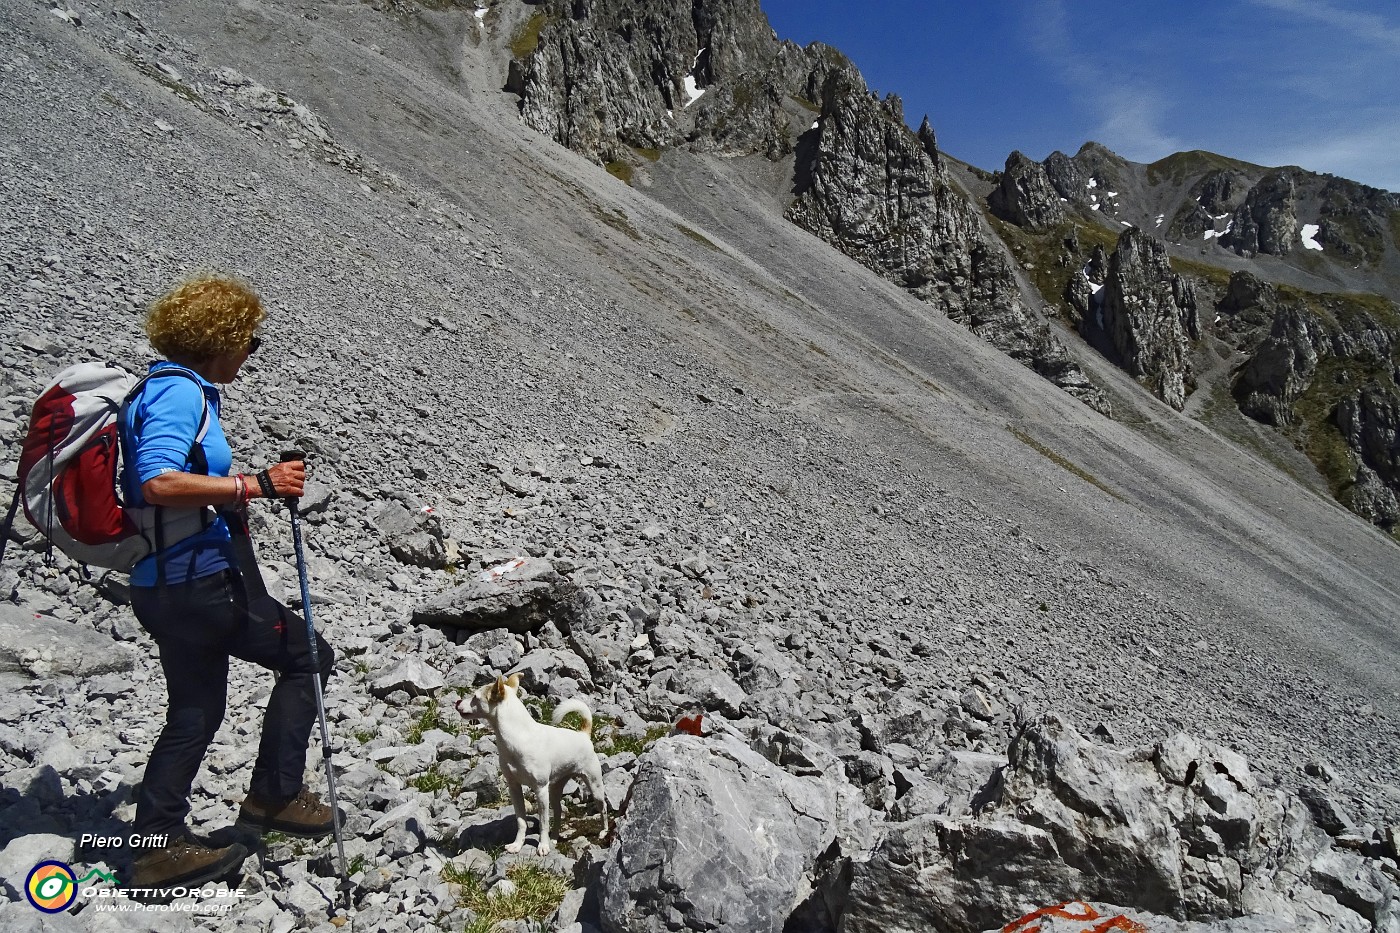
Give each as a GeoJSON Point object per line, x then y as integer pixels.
{"type": "Point", "coordinates": [1086, 912]}
{"type": "Point", "coordinates": [1119, 922]}
{"type": "Point", "coordinates": [1074, 910]}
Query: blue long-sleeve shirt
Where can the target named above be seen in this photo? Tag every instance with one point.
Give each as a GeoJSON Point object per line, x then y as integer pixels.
{"type": "Point", "coordinates": [161, 425]}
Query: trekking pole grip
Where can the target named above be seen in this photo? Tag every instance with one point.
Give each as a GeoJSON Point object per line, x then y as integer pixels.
{"type": "Point", "coordinates": [290, 456]}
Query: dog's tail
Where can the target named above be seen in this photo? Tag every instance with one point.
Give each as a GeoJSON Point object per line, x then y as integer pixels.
{"type": "Point", "coordinates": [575, 706]}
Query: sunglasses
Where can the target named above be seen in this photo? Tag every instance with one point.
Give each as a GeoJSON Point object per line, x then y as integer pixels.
{"type": "Point", "coordinates": [254, 344]}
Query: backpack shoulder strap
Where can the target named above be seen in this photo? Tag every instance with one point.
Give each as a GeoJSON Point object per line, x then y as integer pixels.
{"type": "Point", "coordinates": [196, 455]}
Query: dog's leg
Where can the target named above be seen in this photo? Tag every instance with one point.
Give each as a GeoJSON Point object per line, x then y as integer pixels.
{"type": "Point", "coordinates": [542, 792]}
{"type": "Point", "coordinates": [556, 797]}
{"type": "Point", "coordinates": [594, 776]}
{"type": "Point", "coordinates": [517, 800]}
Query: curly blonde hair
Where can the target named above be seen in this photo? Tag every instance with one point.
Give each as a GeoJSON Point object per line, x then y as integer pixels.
{"type": "Point", "coordinates": [204, 316]}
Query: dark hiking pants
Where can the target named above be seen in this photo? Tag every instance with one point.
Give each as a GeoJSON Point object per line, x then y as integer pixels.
{"type": "Point", "coordinates": [198, 626]}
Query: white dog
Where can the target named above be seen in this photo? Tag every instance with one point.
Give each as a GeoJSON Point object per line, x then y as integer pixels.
{"type": "Point", "coordinates": [545, 757]}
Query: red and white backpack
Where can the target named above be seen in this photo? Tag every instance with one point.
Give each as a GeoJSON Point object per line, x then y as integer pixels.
{"type": "Point", "coordinates": [68, 471]}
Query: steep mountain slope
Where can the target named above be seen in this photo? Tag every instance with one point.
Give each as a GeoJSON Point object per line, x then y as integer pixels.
{"type": "Point", "coordinates": [714, 78]}
{"type": "Point", "coordinates": [862, 477]}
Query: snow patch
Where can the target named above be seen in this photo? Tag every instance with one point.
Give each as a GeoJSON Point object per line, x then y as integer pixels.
{"type": "Point", "coordinates": [1093, 289]}
{"type": "Point", "coordinates": [1160, 218]}
{"type": "Point", "coordinates": [1228, 227]}
{"type": "Point", "coordinates": [481, 14]}
{"type": "Point", "coordinates": [1113, 194]}
{"type": "Point", "coordinates": [1309, 236]}
{"type": "Point", "coordinates": [693, 91]}
{"type": "Point", "coordinates": [1093, 183]}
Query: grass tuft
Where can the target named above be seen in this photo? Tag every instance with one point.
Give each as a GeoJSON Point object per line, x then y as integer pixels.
{"type": "Point", "coordinates": [616, 743]}
{"type": "Point", "coordinates": [428, 720]}
{"type": "Point", "coordinates": [538, 894]}
{"type": "Point", "coordinates": [434, 781]}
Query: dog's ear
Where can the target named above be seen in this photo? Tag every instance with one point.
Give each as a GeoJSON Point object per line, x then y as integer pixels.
{"type": "Point", "coordinates": [513, 681]}
{"type": "Point", "coordinates": [498, 690]}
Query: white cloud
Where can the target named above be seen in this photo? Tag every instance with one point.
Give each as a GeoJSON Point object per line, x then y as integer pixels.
{"type": "Point", "coordinates": [1361, 25]}
{"type": "Point", "coordinates": [1130, 123]}
{"type": "Point", "coordinates": [1128, 112]}
{"type": "Point", "coordinates": [1367, 155]}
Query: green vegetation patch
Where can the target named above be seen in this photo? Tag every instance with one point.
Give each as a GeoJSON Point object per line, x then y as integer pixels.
{"type": "Point", "coordinates": [1317, 434]}
{"type": "Point", "coordinates": [1060, 461]}
{"type": "Point", "coordinates": [1349, 310]}
{"type": "Point", "coordinates": [622, 171]}
{"type": "Point", "coordinates": [1042, 255]}
{"type": "Point", "coordinates": [698, 237]}
{"type": "Point", "coordinates": [178, 88]}
{"type": "Point", "coordinates": [524, 43]}
{"type": "Point", "coordinates": [651, 155]}
{"type": "Point", "coordinates": [617, 219]}
{"type": "Point", "coordinates": [612, 742]}
{"type": "Point", "coordinates": [1190, 268]}
{"type": "Point", "coordinates": [428, 720]}
{"type": "Point", "coordinates": [1180, 166]}
{"type": "Point", "coordinates": [537, 895]}
{"type": "Point", "coordinates": [433, 781]}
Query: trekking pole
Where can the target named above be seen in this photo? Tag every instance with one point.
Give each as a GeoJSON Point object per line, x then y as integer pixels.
{"type": "Point", "coordinates": [288, 456]}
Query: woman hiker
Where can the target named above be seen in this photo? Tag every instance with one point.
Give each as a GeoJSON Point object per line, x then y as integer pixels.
{"type": "Point", "coordinates": [201, 597]}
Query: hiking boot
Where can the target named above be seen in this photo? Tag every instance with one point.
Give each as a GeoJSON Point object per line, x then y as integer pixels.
{"type": "Point", "coordinates": [181, 864]}
{"type": "Point", "coordinates": [304, 815]}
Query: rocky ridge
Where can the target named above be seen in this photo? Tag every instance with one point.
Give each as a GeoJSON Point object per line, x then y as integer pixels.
{"type": "Point", "coordinates": [1252, 212]}
{"type": "Point", "coordinates": [858, 661]}
{"type": "Point", "coordinates": [718, 80]}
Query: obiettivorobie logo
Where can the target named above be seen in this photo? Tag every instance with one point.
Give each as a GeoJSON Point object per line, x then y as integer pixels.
{"type": "Point", "coordinates": [53, 886]}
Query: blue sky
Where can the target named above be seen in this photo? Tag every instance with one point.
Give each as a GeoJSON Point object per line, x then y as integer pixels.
{"type": "Point", "coordinates": [1314, 83]}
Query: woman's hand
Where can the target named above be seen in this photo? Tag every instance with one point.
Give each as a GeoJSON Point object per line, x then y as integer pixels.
{"type": "Point", "coordinates": [289, 479]}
